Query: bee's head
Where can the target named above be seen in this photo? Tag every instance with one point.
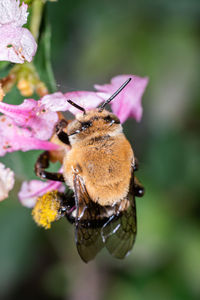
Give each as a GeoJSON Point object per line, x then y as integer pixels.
{"type": "Point", "coordinates": [98, 121]}
{"type": "Point", "coordinates": [94, 122]}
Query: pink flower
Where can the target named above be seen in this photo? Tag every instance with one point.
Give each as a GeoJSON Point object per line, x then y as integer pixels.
{"type": "Point", "coordinates": [41, 116]}
{"type": "Point", "coordinates": [35, 120]}
{"type": "Point", "coordinates": [31, 190]}
{"type": "Point", "coordinates": [14, 138]}
{"type": "Point", "coordinates": [29, 125]}
{"type": "Point", "coordinates": [32, 114]}
{"type": "Point", "coordinates": [128, 102]}
{"type": "Point", "coordinates": [58, 101]}
{"type": "Point", "coordinates": [16, 43]}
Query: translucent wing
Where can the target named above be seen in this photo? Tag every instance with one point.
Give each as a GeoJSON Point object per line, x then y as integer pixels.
{"type": "Point", "coordinates": [93, 230]}
{"type": "Point", "coordinates": [119, 234]}
{"type": "Point", "coordinates": [87, 231]}
{"type": "Point", "coordinates": [88, 242]}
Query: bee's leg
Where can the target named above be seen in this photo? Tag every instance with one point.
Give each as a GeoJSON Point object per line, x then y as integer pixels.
{"type": "Point", "coordinates": [135, 165]}
{"type": "Point", "coordinates": [138, 188]}
{"type": "Point", "coordinates": [63, 137]}
{"type": "Point", "coordinates": [68, 205]}
{"type": "Point", "coordinates": [41, 164]}
{"type": "Point", "coordinates": [53, 205]}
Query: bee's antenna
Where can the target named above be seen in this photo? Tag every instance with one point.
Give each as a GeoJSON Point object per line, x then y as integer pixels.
{"type": "Point", "coordinates": [101, 107]}
{"type": "Point", "coordinates": [77, 106]}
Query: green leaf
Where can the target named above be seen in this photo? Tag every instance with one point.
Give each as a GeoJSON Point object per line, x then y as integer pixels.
{"type": "Point", "coordinates": [4, 65]}
{"type": "Point", "coordinates": [42, 59]}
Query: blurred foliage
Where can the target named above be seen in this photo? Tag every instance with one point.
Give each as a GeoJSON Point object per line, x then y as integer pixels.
{"type": "Point", "coordinates": [91, 42]}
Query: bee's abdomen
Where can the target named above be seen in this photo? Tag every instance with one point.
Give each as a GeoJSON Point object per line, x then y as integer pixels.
{"type": "Point", "coordinates": [105, 168]}
{"type": "Point", "coordinates": [107, 171]}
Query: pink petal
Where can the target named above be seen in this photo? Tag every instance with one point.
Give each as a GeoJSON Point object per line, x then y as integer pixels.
{"type": "Point", "coordinates": [6, 181]}
{"type": "Point", "coordinates": [31, 190]}
{"type": "Point", "coordinates": [58, 101]}
{"type": "Point", "coordinates": [16, 44]}
{"type": "Point", "coordinates": [128, 102]}
{"type": "Point", "coordinates": [88, 100]}
{"type": "Point", "coordinates": [14, 138]}
{"type": "Point", "coordinates": [55, 102]}
{"type": "Point", "coordinates": [12, 13]}
{"type": "Point", "coordinates": [33, 115]}
{"type": "Point", "coordinates": [20, 113]}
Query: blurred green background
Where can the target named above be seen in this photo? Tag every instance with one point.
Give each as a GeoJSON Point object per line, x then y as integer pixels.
{"type": "Point", "coordinates": [93, 41]}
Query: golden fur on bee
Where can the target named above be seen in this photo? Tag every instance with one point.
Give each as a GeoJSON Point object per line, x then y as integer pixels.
{"type": "Point", "coordinates": [101, 155]}
{"type": "Point", "coordinates": [98, 166]}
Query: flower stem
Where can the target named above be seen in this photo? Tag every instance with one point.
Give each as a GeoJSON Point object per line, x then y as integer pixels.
{"type": "Point", "coordinates": [36, 17]}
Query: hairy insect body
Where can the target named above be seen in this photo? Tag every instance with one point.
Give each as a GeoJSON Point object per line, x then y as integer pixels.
{"type": "Point", "coordinates": [98, 166]}
{"type": "Point", "coordinates": [105, 164]}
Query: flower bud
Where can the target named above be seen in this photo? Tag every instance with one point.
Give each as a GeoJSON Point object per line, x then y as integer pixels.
{"type": "Point", "coordinates": [41, 89]}
{"type": "Point", "coordinates": [1, 93]}
{"type": "Point", "coordinates": [25, 87]}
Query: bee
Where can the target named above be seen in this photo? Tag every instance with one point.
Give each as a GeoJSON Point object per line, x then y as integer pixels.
{"type": "Point", "coordinates": [99, 169]}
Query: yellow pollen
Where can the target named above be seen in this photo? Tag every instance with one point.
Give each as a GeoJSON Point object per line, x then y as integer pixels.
{"type": "Point", "coordinates": [47, 209]}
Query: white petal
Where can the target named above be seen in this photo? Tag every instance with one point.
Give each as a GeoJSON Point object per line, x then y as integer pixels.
{"type": "Point", "coordinates": [12, 13]}
{"type": "Point", "coordinates": [16, 44]}
{"type": "Point", "coordinates": [6, 181]}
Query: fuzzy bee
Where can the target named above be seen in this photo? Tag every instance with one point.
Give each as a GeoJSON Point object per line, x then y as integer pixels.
{"type": "Point", "coordinates": [99, 169]}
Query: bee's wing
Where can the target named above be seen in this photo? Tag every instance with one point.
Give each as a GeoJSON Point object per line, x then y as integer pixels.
{"type": "Point", "coordinates": [88, 239]}
{"type": "Point", "coordinates": [88, 242]}
{"type": "Point", "coordinates": [119, 234]}
{"type": "Point", "coordinates": [116, 233]}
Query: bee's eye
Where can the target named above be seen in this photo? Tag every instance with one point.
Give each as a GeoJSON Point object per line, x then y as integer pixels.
{"type": "Point", "coordinates": [112, 119]}
{"type": "Point", "coordinates": [85, 125]}
{"type": "Point", "coordinates": [108, 119]}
